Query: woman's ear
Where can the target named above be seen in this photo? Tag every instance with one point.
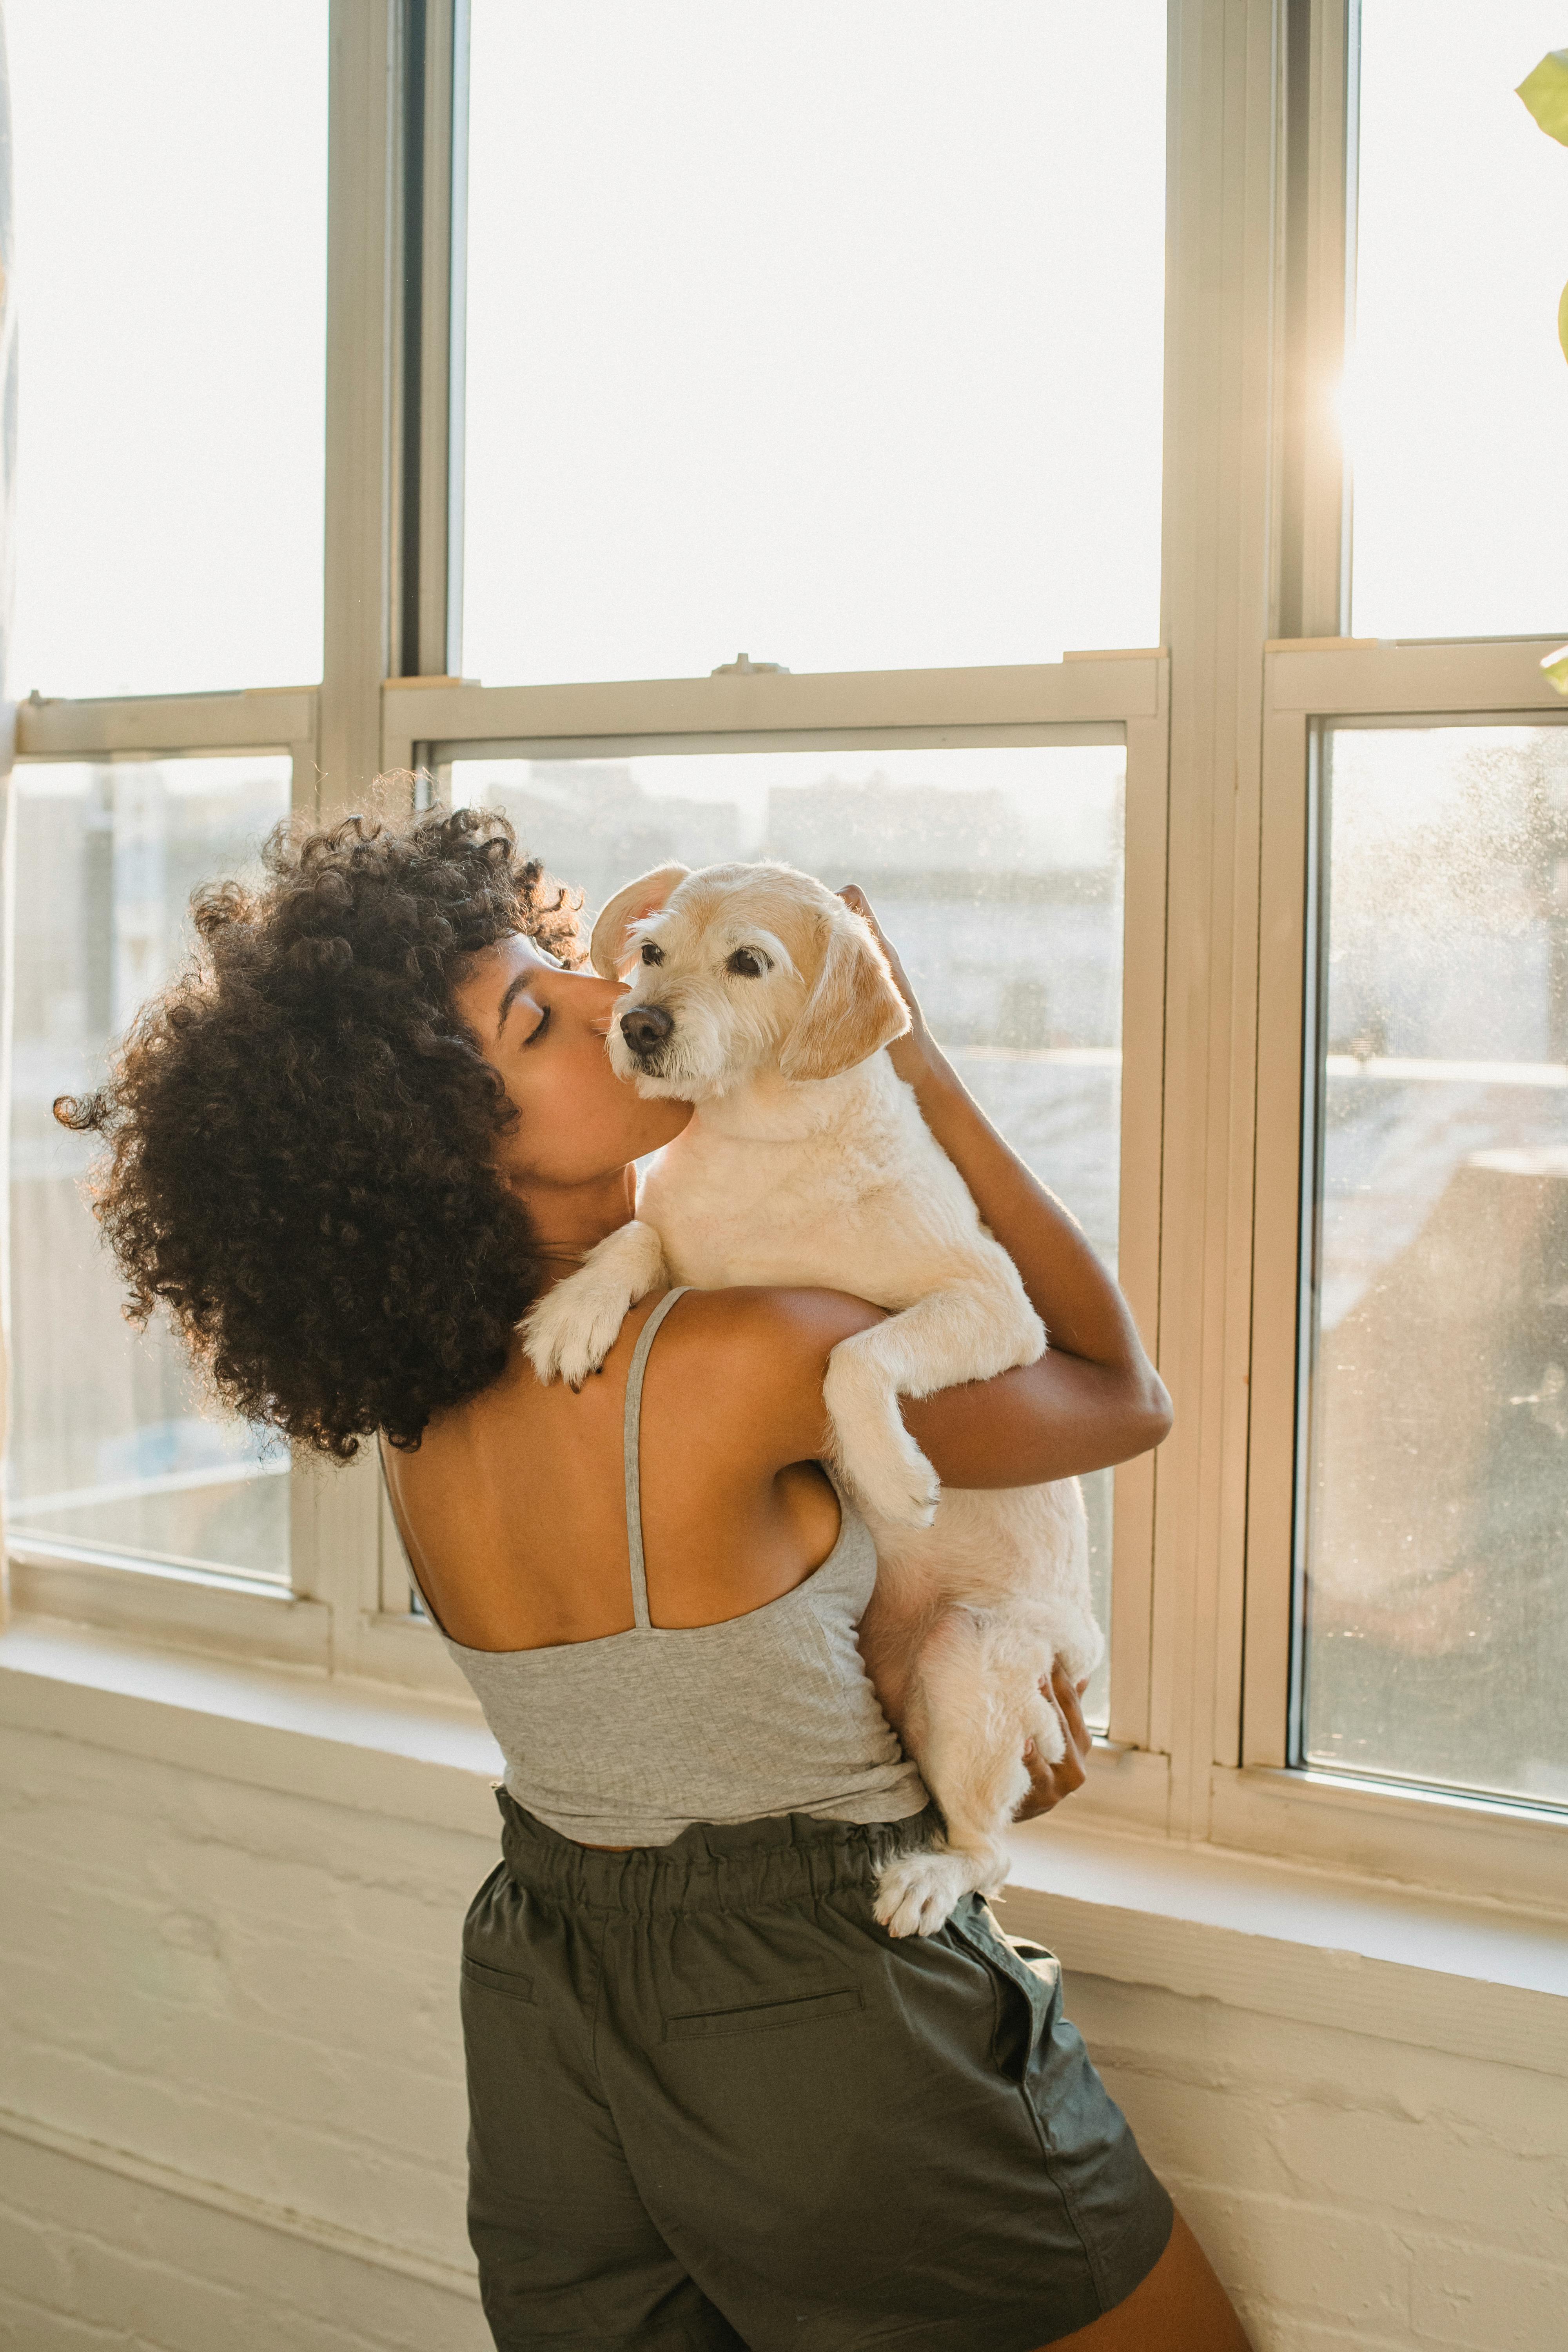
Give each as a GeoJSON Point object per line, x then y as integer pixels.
{"type": "Point", "coordinates": [608, 950]}
{"type": "Point", "coordinates": [853, 1010]}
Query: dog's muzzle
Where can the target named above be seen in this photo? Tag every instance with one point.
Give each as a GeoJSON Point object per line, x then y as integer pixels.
{"type": "Point", "coordinates": [645, 1028]}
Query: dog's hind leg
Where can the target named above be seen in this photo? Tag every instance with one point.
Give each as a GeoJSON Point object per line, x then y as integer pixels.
{"type": "Point", "coordinates": [977, 1704]}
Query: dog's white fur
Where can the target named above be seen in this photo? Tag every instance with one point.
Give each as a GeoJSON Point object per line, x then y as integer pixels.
{"type": "Point", "coordinates": [807, 1162]}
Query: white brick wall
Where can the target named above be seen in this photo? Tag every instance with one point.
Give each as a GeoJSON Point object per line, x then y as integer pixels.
{"type": "Point", "coordinates": [1350, 2191]}
{"type": "Point", "coordinates": [89, 2260]}
{"type": "Point", "coordinates": [245, 2002]}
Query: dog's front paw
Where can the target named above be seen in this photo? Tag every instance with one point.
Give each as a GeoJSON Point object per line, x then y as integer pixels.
{"type": "Point", "coordinates": [904, 1491]}
{"type": "Point", "coordinates": [890, 1473]}
{"type": "Point", "coordinates": [571, 1331]}
{"type": "Point", "coordinates": [916, 1896]}
{"type": "Point", "coordinates": [881, 1461]}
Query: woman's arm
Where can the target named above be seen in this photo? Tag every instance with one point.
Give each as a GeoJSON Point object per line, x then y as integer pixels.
{"type": "Point", "coordinates": [1094, 1398]}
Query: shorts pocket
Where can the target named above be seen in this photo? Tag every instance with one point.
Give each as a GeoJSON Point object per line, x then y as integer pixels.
{"type": "Point", "coordinates": [1025, 2004]}
{"type": "Point", "coordinates": [507, 1981]}
{"type": "Point", "coordinates": [765, 2017]}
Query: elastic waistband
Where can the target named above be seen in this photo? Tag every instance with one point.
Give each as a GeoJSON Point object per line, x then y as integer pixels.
{"type": "Point", "coordinates": [712, 1866]}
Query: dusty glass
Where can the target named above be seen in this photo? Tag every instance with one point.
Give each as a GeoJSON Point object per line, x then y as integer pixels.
{"type": "Point", "coordinates": [114, 1450]}
{"type": "Point", "coordinates": [1457, 399]}
{"type": "Point", "coordinates": [1435, 1494]}
{"type": "Point", "coordinates": [830, 334]}
{"type": "Point", "coordinates": [997, 873]}
{"type": "Point", "coordinates": [170, 198]}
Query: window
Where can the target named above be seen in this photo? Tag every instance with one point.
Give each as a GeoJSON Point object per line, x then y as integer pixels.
{"type": "Point", "coordinates": [1437, 1499]}
{"type": "Point", "coordinates": [1405, 1583]}
{"type": "Point", "coordinates": [1407, 1604]}
{"type": "Point", "coordinates": [1457, 394]}
{"type": "Point", "coordinates": [171, 184]}
{"type": "Point", "coordinates": [998, 873]}
{"type": "Point", "coordinates": [114, 1453]}
{"type": "Point", "coordinates": [933, 358]}
{"type": "Point", "coordinates": [832, 334]}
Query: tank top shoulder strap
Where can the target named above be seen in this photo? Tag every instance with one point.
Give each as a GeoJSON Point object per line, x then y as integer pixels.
{"type": "Point", "coordinates": [632, 1449]}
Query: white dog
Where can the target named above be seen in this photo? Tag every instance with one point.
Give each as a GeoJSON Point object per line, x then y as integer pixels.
{"type": "Point", "coordinates": [759, 996]}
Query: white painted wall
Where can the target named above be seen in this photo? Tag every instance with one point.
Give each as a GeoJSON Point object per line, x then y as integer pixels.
{"type": "Point", "coordinates": [230, 2067]}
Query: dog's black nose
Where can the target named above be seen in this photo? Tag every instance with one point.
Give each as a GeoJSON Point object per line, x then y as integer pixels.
{"type": "Point", "coordinates": [644, 1027]}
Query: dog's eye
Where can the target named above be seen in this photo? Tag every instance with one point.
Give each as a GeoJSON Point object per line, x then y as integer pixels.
{"type": "Point", "coordinates": [746, 965]}
{"type": "Point", "coordinates": [650, 954]}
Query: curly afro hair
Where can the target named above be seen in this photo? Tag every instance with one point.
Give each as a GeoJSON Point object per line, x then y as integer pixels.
{"type": "Point", "coordinates": [301, 1130]}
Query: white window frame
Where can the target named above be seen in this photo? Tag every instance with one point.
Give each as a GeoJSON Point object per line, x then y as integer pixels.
{"type": "Point", "coordinates": [1218, 726]}
{"type": "Point", "coordinates": [1085, 698]}
{"type": "Point", "coordinates": [1258, 590]}
{"type": "Point", "coordinates": [223, 1612]}
{"type": "Point", "coordinates": [1515, 1852]}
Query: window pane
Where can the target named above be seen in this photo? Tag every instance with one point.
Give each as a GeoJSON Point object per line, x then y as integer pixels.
{"type": "Point", "coordinates": [1458, 402]}
{"type": "Point", "coordinates": [1437, 1493]}
{"type": "Point", "coordinates": [834, 334]}
{"type": "Point", "coordinates": [998, 875]}
{"type": "Point", "coordinates": [171, 185]}
{"type": "Point", "coordinates": [113, 1446]}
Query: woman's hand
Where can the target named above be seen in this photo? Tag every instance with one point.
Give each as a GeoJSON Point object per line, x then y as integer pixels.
{"type": "Point", "coordinates": [913, 1054]}
{"type": "Point", "coordinates": [1050, 1783]}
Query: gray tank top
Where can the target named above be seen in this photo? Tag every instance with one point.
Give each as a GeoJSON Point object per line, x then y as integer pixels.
{"type": "Point", "coordinates": [629, 1739]}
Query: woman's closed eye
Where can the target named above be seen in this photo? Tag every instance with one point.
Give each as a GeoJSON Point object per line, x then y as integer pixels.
{"type": "Point", "coordinates": [521, 1000]}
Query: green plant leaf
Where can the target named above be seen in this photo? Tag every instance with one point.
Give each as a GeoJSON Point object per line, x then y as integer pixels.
{"type": "Point", "coordinates": [1545, 92]}
{"type": "Point", "coordinates": [1555, 668]}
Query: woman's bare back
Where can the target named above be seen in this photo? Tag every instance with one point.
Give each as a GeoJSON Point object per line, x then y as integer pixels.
{"type": "Point", "coordinates": [513, 1507]}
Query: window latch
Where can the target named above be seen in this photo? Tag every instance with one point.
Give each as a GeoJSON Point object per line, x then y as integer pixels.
{"type": "Point", "coordinates": [744, 666]}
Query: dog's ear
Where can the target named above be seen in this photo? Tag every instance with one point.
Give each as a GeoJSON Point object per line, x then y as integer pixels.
{"type": "Point", "coordinates": [608, 947]}
{"type": "Point", "coordinates": [853, 1010]}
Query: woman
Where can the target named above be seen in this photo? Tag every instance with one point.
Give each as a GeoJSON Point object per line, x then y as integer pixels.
{"type": "Point", "coordinates": [713, 2104]}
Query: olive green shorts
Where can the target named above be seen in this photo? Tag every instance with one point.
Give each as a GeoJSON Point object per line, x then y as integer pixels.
{"type": "Point", "coordinates": [715, 2105]}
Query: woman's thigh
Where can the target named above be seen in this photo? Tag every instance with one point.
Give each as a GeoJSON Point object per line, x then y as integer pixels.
{"type": "Point", "coordinates": [1181, 2307]}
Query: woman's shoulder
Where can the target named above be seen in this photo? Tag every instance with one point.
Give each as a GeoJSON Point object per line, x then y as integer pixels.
{"type": "Point", "coordinates": [746, 1365]}
{"type": "Point", "coordinates": [753, 1357]}
{"type": "Point", "coordinates": [762, 1333]}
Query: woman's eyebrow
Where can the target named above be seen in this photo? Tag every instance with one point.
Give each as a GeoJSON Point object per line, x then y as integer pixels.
{"type": "Point", "coordinates": [518, 980]}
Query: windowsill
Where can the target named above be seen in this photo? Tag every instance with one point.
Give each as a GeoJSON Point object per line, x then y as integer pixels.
{"type": "Point", "coordinates": [368, 1746]}
{"type": "Point", "coordinates": [142, 1601]}
{"type": "Point", "coordinates": [1291, 1941]}
{"type": "Point", "coordinates": [1278, 1939]}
